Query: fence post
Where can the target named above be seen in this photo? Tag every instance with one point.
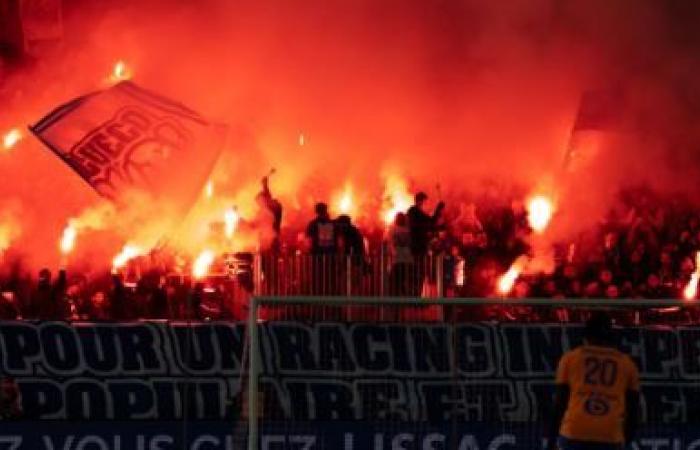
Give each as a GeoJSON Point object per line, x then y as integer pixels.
{"type": "Point", "coordinates": [382, 268]}
{"type": "Point", "coordinates": [439, 269]}
{"type": "Point", "coordinates": [257, 268]}
{"type": "Point", "coordinates": [253, 376]}
{"type": "Point", "coordinates": [348, 275]}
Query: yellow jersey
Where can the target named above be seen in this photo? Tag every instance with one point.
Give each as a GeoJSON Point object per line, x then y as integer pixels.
{"type": "Point", "coordinates": [598, 379]}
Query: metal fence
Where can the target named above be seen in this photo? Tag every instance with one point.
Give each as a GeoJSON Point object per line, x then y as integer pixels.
{"type": "Point", "coordinates": [339, 275]}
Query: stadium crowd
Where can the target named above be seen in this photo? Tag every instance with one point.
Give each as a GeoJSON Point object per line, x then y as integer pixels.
{"type": "Point", "coordinates": [644, 247]}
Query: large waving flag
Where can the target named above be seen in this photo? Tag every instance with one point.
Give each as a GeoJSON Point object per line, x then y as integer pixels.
{"type": "Point", "coordinates": [126, 137]}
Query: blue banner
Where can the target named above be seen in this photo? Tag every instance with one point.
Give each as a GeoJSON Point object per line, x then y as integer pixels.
{"type": "Point", "coordinates": [366, 384]}
{"type": "Point", "coordinates": [147, 435]}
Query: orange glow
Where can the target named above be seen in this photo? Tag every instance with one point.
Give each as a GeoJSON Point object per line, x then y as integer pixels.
{"type": "Point", "coordinates": [691, 289]}
{"type": "Point", "coordinates": [11, 138]}
{"type": "Point", "coordinates": [201, 265]}
{"type": "Point", "coordinates": [397, 198]}
{"type": "Point", "coordinates": [344, 203]}
{"type": "Point", "coordinates": [128, 253]}
{"type": "Point", "coordinates": [302, 139]}
{"type": "Point", "coordinates": [120, 72]}
{"type": "Point", "coordinates": [5, 238]}
{"type": "Point", "coordinates": [539, 212]}
{"type": "Point", "coordinates": [209, 189]}
{"type": "Point", "coordinates": [231, 219]}
{"type": "Point", "coordinates": [507, 280]}
{"type": "Point", "coordinates": [68, 238]}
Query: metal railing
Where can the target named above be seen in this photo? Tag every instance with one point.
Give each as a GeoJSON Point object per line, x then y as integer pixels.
{"type": "Point", "coordinates": [348, 275]}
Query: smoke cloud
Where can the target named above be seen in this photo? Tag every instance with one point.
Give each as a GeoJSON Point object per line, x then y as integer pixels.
{"type": "Point", "coordinates": [332, 92]}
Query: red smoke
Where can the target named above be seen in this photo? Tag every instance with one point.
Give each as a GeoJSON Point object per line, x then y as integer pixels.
{"type": "Point", "coordinates": [447, 93]}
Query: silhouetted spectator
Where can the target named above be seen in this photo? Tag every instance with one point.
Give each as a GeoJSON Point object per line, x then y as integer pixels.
{"type": "Point", "coordinates": [322, 232]}
{"type": "Point", "coordinates": [48, 299]}
{"type": "Point", "coordinates": [350, 238]}
{"type": "Point", "coordinates": [9, 309]}
{"type": "Point", "coordinates": [422, 225]}
{"type": "Point", "coordinates": [399, 240]}
{"type": "Point", "coordinates": [118, 302]}
{"type": "Point", "coordinates": [272, 208]}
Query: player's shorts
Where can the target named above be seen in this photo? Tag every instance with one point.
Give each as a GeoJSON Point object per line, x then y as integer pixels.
{"type": "Point", "coordinates": [569, 444]}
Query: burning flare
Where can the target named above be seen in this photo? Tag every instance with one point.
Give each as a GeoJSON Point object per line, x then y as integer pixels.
{"type": "Point", "coordinates": [11, 138]}
{"type": "Point", "coordinates": [397, 199]}
{"type": "Point", "coordinates": [539, 212]}
{"type": "Point", "coordinates": [128, 252]}
{"type": "Point", "coordinates": [691, 289]}
{"type": "Point", "coordinates": [507, 280]}
{"type": "Point", "coordinates": [344, 203]}
{"type": "Point", "coordinates": [231, 219]}
{"type": "Point", "coordinates": [67, 243]}
{"type": "Point", "coordinates": [120, 72]}
{"type": "Point", "coordinates": [201, 265]}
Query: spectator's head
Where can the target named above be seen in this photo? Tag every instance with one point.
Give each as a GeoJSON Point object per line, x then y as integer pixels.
{"type": "Point", "coordinates": [400, 220]}
{"type": "Point", "coordinates": [321, 210]}
{"type": "Point", "coordinates": [521, 289]}
{"type": "Point", "coordinates": [550, 288]}
{"type": "Point", "coordinates": [666, 259]}
{"type": "Point", "coordinates": [612, 291]}
{"type": "Point", "coordinates": [592, 290]}
{"type": "Point", "coordinates": [627, 289]}
{"type": "Point", "coordinates": [569, 272]}
{"type": "Point", "coordinates": [344, 220]}
{"type": "Point", "coordinates": [636, 257]}
{"type": "Point", "coordinates": [687, 265]}
{"type": "Point", "coordinates": [420, 199]}
{"type": "Point", "coordinates": [574, 289]}
{"type": "Point", "coordinates": [605, 276]}
{"type": "Point", "coordinates": [44, 276]}
{"type": "Point", "coordinates": [653, 281]}
{"type": "Point", "coordinates": [684, 237]}
{"type": "Point", "coordinates": [99, 299]}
